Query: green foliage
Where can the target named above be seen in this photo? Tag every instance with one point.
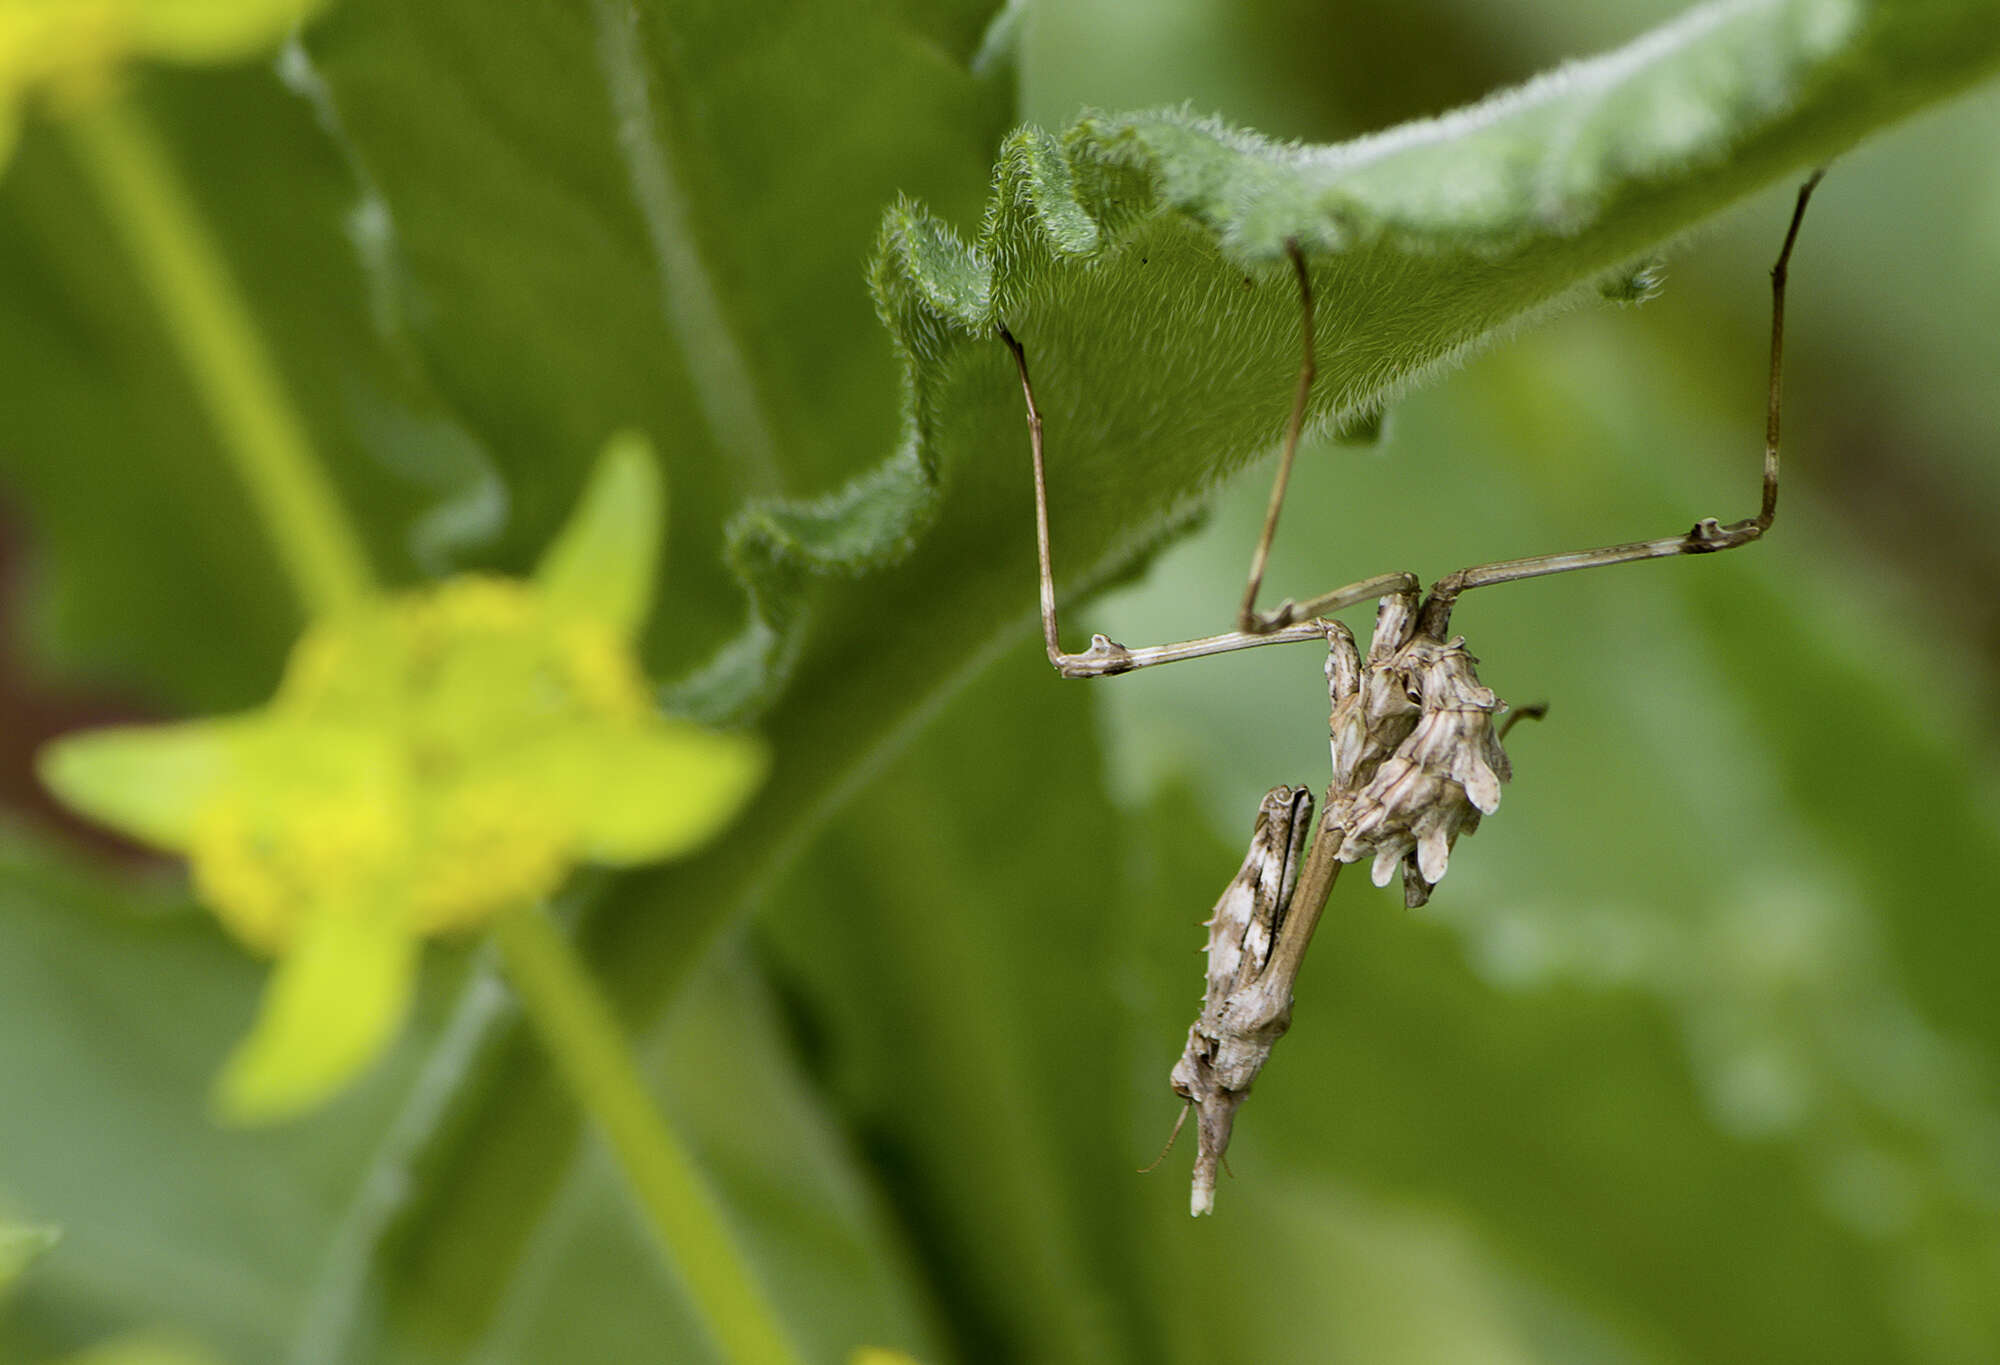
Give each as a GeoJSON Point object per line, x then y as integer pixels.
{"type": "Point", "coordinates": [20, 1244]}
{"type": "Point", "coordinates": [143, 1349]}
{"type": "Point", "coordinates": [1690, 1058]}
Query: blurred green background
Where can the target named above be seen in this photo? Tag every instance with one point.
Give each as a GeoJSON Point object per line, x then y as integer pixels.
{"type": "Point", "coordinates": [1691, 1058]}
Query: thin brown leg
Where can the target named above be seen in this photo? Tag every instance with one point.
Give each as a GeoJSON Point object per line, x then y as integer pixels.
{"type": "Point", "coordinates": [1105, 657]}
{"type": "Point", "coordinates": [1707, 536]}
{"type": "Point", "coordinates": [1247, 618]}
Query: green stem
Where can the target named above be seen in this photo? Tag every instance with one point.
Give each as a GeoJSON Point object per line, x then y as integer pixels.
{"type": "Point", "coordinates": [224, 355]}
{"type": "Point", "coordinates": [577, 1026]}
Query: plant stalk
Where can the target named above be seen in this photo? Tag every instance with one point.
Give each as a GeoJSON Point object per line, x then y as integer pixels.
{"type": "Point", "coordinates": [223, 353]}
{"type": "Point", "coordinates": [577, 1027]}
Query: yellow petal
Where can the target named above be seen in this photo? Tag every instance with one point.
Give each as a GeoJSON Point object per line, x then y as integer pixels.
{"type": "Point", "coordinates": [602, 562]}
{"type": "Point", "coordinates": [639, 793]}
{"type": "Point", "coordinates": [64, 49]}
{"type": "Point", "coordinates": [214, 30]}
{"type": "Point", "coordinates": [148, 781]}
{"type": "Point", "coordinates": [332, 1006]}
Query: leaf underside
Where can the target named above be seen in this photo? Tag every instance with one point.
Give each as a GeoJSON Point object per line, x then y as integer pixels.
{"type": "Point", "coordinates": [1425, 242]}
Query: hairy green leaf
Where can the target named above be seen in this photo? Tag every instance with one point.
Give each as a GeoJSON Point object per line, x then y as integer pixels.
{"type": "Point", "coordinates": [1139, 259]}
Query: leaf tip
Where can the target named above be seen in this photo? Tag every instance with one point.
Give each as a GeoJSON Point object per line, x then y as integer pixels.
{"type": "Point", "coordinates": [1635, 282]}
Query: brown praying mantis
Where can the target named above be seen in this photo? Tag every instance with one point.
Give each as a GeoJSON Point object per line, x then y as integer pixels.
{"type": "Point", "coordinates": [1416, 741]}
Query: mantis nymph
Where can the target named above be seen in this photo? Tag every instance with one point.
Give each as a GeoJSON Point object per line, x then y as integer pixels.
{"type": "Point", "coordinates": [1416, 743]}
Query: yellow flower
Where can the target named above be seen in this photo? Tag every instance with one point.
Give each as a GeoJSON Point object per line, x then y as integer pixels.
{"type": "Point", "coordinates": [70, 51]}
{"type": "Point", "coordinates": [429, 760]}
